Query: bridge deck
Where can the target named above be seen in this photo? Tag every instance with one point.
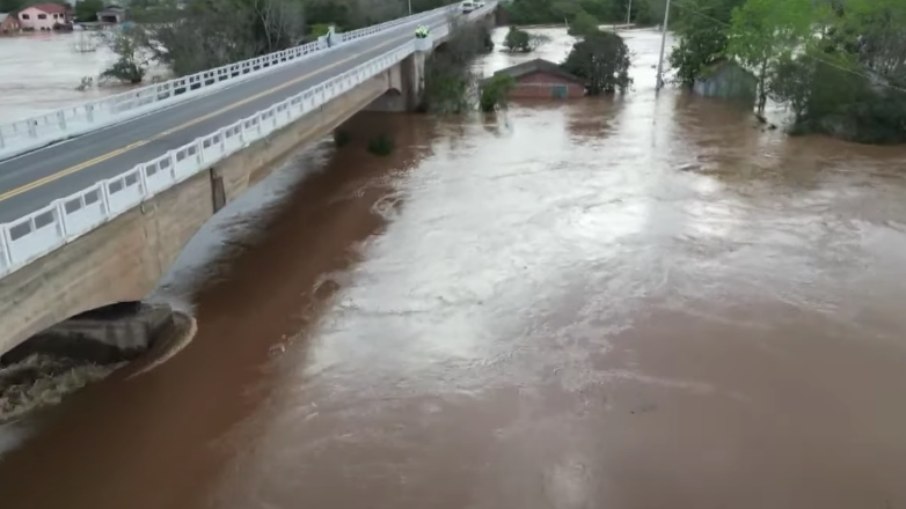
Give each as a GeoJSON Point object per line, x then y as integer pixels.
{"type": "Point", "coordinates": [33, 180]}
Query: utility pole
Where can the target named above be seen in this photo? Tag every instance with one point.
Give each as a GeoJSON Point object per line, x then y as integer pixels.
{"type": "Point", "coordinates": [410, 7]}
{"type": "Point", "coordinates": [629, 13]}
{"type": "Point", "coordinates": [660, 62]}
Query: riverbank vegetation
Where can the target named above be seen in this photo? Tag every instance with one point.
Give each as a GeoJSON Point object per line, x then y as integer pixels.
{"type": "Point", "coordinates": [839, 65]}
{"type": "Point", "coordinates": [449, 82]}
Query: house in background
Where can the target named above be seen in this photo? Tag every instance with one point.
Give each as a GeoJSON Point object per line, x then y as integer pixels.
{"type": "Point", "coordinates": [727, 80]}
{"type": "Point", "coordinates": [9, 24]}
{"type": "Point", "coordinates": [43, 16]}
{"type": "Point", "coordinates": [541, 79]}
{"type": "Point", "coordinates": [112, 14]}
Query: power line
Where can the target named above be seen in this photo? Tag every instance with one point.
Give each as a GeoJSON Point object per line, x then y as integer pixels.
{"type": "Point", "coordinates": [679, 3]}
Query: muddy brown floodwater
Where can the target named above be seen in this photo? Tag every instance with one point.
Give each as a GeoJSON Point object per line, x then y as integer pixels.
{"type": "Point", "coordinates": [646, 302]}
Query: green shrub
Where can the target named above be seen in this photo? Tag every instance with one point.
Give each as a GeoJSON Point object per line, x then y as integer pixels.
{"type": "Point", "coordinates": [495, 92]}
{"type": "Point", "coordinates": [518, 40]}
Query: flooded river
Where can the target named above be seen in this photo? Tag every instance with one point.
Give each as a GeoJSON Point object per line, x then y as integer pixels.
{"type": "Point", "coordinates": [640, 302]}
{"type": "Point", "coordinates": [39, 72]}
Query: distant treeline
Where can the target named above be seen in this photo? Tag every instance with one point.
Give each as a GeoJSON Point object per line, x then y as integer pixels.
{"type": "Point", "coordinates": [524, 12]}
{"type": "Point", "coordinates": [193, 35]}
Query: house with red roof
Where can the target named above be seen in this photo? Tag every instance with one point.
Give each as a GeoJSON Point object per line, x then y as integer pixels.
{"type": "Point", "coordinates": [43, 16]}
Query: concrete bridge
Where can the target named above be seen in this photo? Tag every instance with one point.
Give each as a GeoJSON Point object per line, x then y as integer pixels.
{"type": "Point", "coordinates": [97, 214]}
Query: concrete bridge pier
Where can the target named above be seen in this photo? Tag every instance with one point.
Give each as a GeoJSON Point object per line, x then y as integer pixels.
{"type": "Point", "coordinates": [111, 334]}
{"type": "Point", "coordinates": [406, 86]}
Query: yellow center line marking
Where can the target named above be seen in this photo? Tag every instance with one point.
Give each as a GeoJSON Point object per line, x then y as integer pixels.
{"type": "Point", "coordinates": [132, 146]}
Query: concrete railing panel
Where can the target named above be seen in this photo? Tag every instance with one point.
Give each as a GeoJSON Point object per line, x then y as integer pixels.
{"type": "Point", "coordinates": [84, 211]}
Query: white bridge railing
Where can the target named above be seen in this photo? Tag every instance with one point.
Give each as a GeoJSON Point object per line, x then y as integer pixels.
{"type": "Point", "coordinates": [31, 133]}
{"type": "Point", "coordinates": [67, 218]}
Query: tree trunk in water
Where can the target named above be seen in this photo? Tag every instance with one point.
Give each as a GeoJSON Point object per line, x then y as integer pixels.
{"type": "Point", "coordinates": [762, 93]}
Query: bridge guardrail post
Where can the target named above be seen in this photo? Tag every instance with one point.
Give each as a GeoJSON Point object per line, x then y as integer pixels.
{"type": "Point", "coordinates": [143, 182]}
{"type": "Point", "coordinates": [5, 255]}
{"type": "Point", "coordinates": [105, 200]}
{"type": "Point", "coordinates": [198, 144]}
{"type": "Point", "coordinates": [60, 220]}
{"type": "Point", "coordinates": [221, 135]}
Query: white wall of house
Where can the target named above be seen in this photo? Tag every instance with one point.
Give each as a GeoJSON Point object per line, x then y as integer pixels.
{"type": "Point", "coordinates": [33, 18]}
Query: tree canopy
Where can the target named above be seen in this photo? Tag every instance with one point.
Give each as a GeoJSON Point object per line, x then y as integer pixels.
{"type": "Point", "coordinates": [584, 24]}
{"type": "Point", "coordinates": [87, 10]}
{"type": "Point", "coordinates": [602, 59]}
{"type": "Point", "coordinates": [192, 35]}
{"type": "Point", "coordinates": [703, 28]}
{"type": "Point", "coordinates": [764, 31]}
{"type": "Point", "coordinates": [840, 65]}
{"type": "Point", "coordinates": [645, 12]}
{"type": "Point", "coordinates": [518, 40]}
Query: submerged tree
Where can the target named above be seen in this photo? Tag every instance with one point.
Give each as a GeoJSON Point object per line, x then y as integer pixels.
{"type": "Point", "coordinates": [129, 67]}
{"type": "Point", "coordinates": [602, 59]}
{"type": "Point", "coordinates": [495, 92]}
{"type": "Point", "coordinates": [764, 32]}
{"type": "Point", "coordinates": [518, 40]}
{"type": "Point", "coordinates": [849, 81]}
{"type": "Point", "coordinates": [703, 28]}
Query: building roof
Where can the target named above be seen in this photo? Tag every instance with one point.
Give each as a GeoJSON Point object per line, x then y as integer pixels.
{"type": "Point", "coordinates": [49, 8]}
{"type": "Point", "coordinates": [539, 65]}
{"type": "Point", "coordinates": [721, 66]}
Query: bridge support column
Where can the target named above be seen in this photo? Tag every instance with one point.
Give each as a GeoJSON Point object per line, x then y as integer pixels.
{"type": "Point", "coordinates": [116, 333]}
{"type": "Point", "coordinates": [218, 191]}
{"type": "Point", "coordinates": [406, 86]}
{"type": "Point", "coordinates": [413, 75]}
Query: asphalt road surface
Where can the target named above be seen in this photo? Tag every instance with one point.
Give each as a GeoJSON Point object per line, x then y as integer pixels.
{"type": "Point", "coordinates": [65, 168]}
